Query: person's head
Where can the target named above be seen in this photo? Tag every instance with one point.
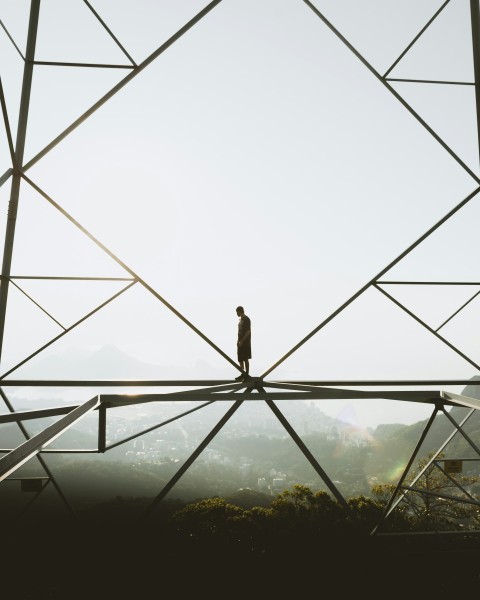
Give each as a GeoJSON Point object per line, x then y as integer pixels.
{"type": "Point", "coordinates": [240, 311]}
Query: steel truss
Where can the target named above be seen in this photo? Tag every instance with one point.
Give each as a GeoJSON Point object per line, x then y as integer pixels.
{"type": "Point", "coordinates": [210, 391]}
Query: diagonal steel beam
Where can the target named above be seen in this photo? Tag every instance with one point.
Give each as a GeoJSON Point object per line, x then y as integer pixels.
{"type": "Point", "coordinates": [392, 90]}
{"type": "Point", "coordinates": [39, 457]}
{"type": "Point", "coordinates": [19, 154]}
{"type": "Point", "coordinates": [37, 304]}
{"type": "Point", "coordinates": [453, 480]}
{"type": "Point", "coordinates": [389, 506]}
{"type": "Point", "coordinates": [7, 126]}
{"type": "Point", "coordinates": [475, 21]}
{"type": "Point", "coordinates": [39, 413]}
{"type": "Point", "coordinates": [374, 279]}
{"type": "Point", "coordinates": [15, 459]}
{"type": "Point", "coordinates": [427, 327]}
{"type": "Point", "coordinates": [11, 39]}
{"type": "Point", "coordinates": [142, 282]}
{"type": "Point", "coordinates": [416, 38]}
{"type": "Point", "coordinates": [440, 495]}
{"type": "Point", "coordinates": [136, 71]}
{"type": "Point", "coordinates": [457, 311]}
{"type": "Point", "coordinates": [306, 452]}
{"type": "Point", "coordinates": [60, 335]}
{"type": "Point", "coordinates": [186, 465]}
{"type": "Point", "coordinates": [432, 459]}
{"type": "Point", "coordinates": [461, 431]}
{"type": "Point", "coordinates": [6, 176]}
{"type": "Point", "coordinates": [139, 434]}
{"type": "Point", "coordinates": [109, 31]}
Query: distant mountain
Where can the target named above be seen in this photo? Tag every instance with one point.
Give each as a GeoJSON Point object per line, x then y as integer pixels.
{"type": "Point", "coordinates": [395, 443]}
{"type": "Point", "coordinates": [109, 362]}
{"type": "Point", "coordinates": [472, 391]}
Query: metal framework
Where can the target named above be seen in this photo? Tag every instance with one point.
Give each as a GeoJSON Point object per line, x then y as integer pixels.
{"type": "Point", "coordinates": [209, 391]}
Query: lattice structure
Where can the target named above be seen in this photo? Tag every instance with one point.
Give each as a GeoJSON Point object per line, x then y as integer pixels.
{"type": "Point", "coordinates": [259, 388]}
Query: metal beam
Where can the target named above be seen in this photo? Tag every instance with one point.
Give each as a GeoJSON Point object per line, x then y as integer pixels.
{"type": "Point", "coordinates": [113, 382]}
{"type": "Point", "coordinates": [102, 427]}
{"type": "Point", "coordinates": [428, 81]}
{"type": "Point", "coordinates": [45, 63]}
{"type": "Point", "coordinates": [149, 429]}
{"type": "Point", "coordinates": [137, 278]}
{"type": "Point", "coordinates": [386, 282]}
{"type": "Point", "coordinates": [460, 430]}
{"type": "Point", "coordinates": [56, 278]}
{"type": "Point", "coordinates": [336, 312]}
{"type": "Point", "coordinates": [461, 400]}
{"type": "Point", "coordinates": [219, 382]}
{"type": "Point", "coordinates": [392, 498]}
{"type": "Point", "coordinates": [12, 40]}
{"type": "Point", "coordinates": [193, 457]}
{"type": "Point", "coordinates": [15, 459]}
{"type": "Point", "coordinates": [119, 400]}
{"type": "Point", "coordinates": [427, 327]}
{"type": "Point", "coordinates": [6, 176]}
{"type": "Point", "coordinates": [392, 90]}
{"type": "Point", "coordinates": [440, 495]}
{"type": "Point", "coordinates": [306, 452]}
{"type": "Point", "coordinates": [39, 458]}
{"type": "Point", "coordinates": [40, 413]}
{"type": "Point", "coordinates": [457, 311]}
{"type": "Point", "coordinates": [6, 122]}
{"type": "Point", "coordinates": [123, 82]}
{"type": "Point", "coordinates": [416, 38]}
{"type": "Point", "coordinates": [333, 393]}
{"type": "Point", "coordinates": [452, 479]}
{"type": "Point", "coordinates": [110, 33]}
{"type": "Point", "coordinates": [65, 331]}
{"type": "Point", "coordinates": [433, 458]}
{"type": "Point", "coordinates": [19, 154]}
{"type": "Point", "coordinates": [38, 305]}
{"type": "Point", "coordinates": [475, 21]}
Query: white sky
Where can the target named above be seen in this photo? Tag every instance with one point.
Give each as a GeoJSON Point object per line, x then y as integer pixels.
{"type": "Point", "coordinates": [256, 162]}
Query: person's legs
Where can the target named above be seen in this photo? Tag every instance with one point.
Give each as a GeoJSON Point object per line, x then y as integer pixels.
{"type": "Point", "coordinates": [244, 366]}
{"type": "Point", "coordinates": [240, 377]}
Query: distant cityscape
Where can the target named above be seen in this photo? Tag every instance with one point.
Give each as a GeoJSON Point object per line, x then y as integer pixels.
{"type": "Point", "coordinates": [174, 443]}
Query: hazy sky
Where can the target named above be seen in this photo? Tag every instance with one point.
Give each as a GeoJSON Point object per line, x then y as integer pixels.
{"type": "Point", "coordinates": [256, 162]}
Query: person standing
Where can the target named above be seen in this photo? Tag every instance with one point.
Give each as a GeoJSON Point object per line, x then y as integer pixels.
{"type": "Point", "coordinates": [244, 347]}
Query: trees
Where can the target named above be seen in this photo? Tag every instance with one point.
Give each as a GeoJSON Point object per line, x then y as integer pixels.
{"type": "Point", "coordinates": [435, 499]}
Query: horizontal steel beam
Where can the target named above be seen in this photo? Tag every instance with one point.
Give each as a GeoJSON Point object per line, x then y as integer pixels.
{"type": "Point", "coordinates": [385, 282]}
{"type": "Point", "coordinates": [47, 63]}
{"type": "Point", "coordinates": [26, 415]}
{"type": "Point", "coordinates": [214, 382]}
{"type": "Point", "coordinates": [429, 81]}
{"type": "Point", "coordinates": [429, 397]}
{"type": "Point", "coordinates": [461, 400]}
{"type": "Point", "coordinates": [384, 382]}
{"type": "Point", "coordinates": [15, 459]}
{"type": "Point", "coordinates": [57, 278]}
{"type": "Point", "coordinates": [440, 495]}
{"type": "Point", "coordinates": [61, 450]}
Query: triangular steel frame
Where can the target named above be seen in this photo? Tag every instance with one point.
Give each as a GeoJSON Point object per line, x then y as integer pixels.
{"type": "Point", "coordinates": [209, 391]}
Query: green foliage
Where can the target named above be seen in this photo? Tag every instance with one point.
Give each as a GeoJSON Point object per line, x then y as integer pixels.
{"type": "Point", "coordinates": [437, 501]}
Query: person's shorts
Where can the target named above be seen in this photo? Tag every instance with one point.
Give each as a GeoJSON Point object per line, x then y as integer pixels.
{"type": "Point", "coordinates": [244, 352]}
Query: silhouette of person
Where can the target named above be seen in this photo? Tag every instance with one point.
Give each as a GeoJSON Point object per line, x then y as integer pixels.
{"type": "Point", "coordinates": [244, 349]}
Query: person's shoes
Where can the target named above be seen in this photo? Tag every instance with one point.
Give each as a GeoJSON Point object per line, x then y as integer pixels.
{"type": "Point", "coordinates": [239, 378]}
